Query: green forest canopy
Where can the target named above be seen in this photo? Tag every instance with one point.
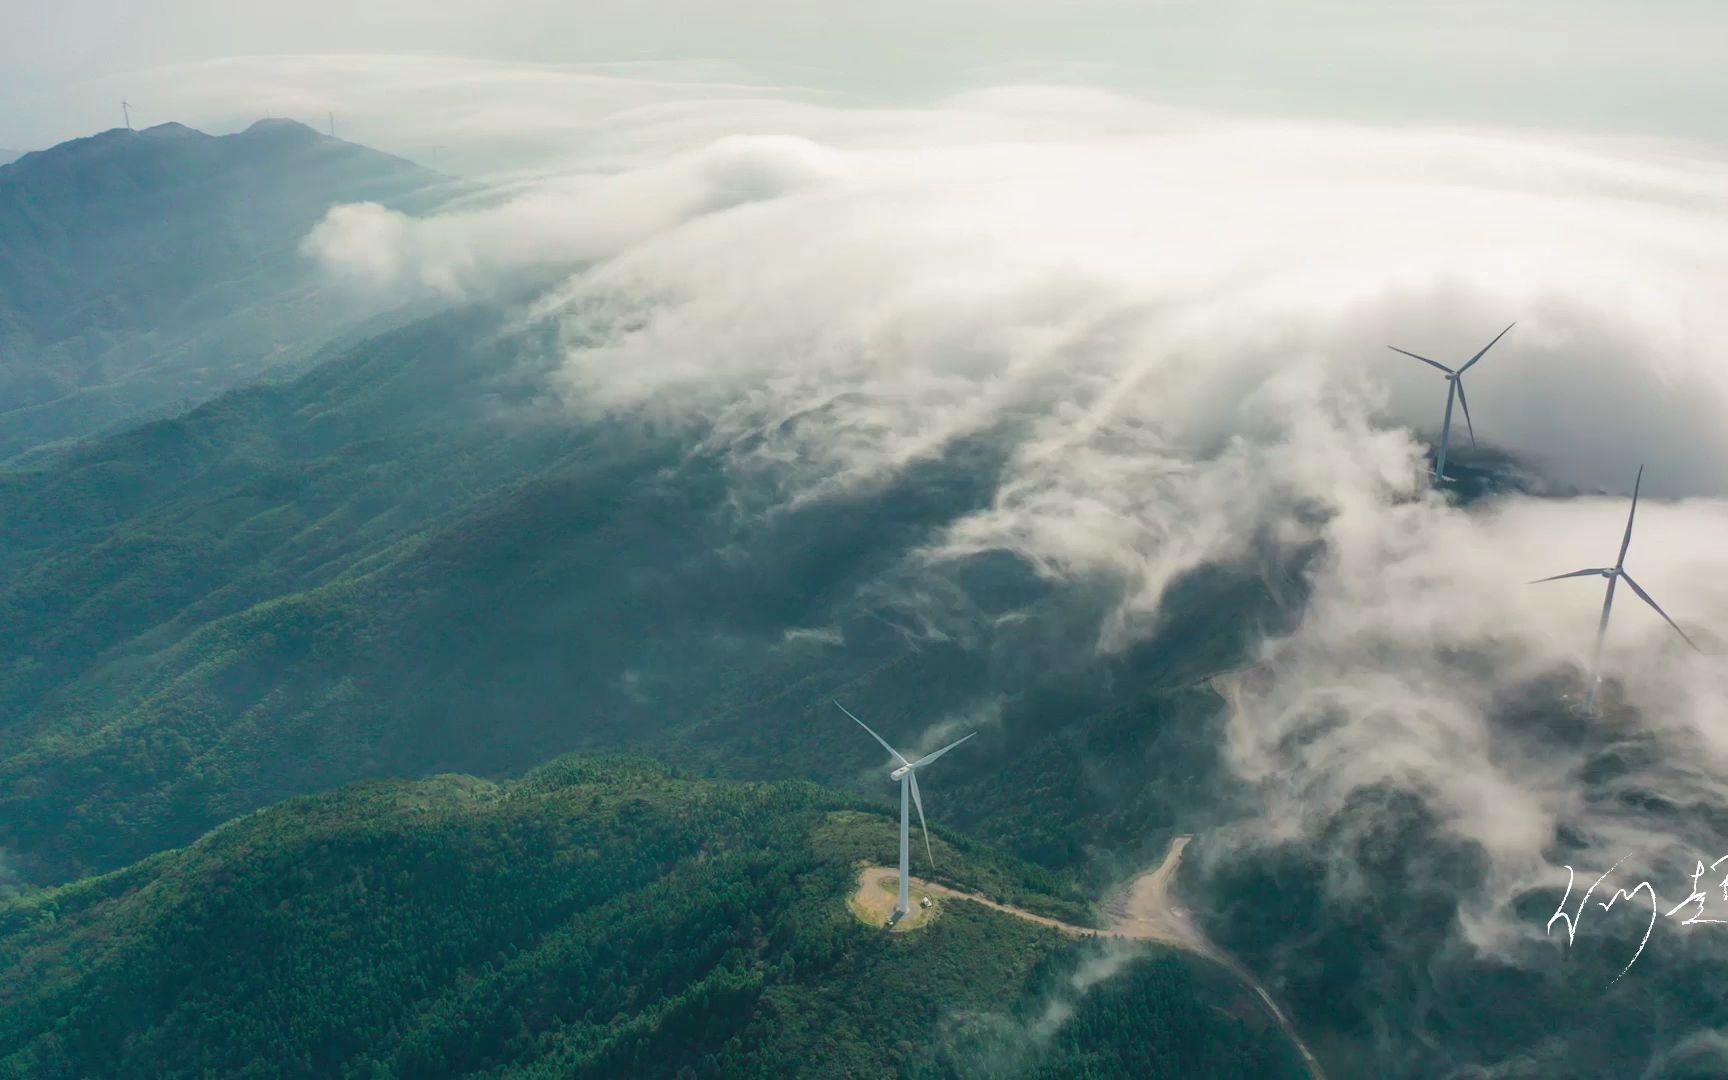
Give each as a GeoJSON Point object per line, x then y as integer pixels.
{"type": "Point", "coordinates": [593, 918]}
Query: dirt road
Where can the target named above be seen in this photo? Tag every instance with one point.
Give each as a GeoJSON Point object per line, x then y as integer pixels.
{"type": "Point", "coordinates": [1146, 909]}
{"type": "Point", "coordinates": [1143, 911]}
{"type": "Point", "coordinates": [879, 881]}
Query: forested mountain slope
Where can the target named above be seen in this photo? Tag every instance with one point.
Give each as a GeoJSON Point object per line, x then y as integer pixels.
{"type": "Point", "coordinates": [409, 561]}
{"type": "Point", "coordinates": [597, 918]}
{"type": "Point", "coordinates": [143, 269]}
{"type": "Point", "coordinates": [414, 559]}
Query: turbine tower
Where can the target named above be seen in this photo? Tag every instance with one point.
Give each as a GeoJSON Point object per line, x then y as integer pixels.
{"type": "Point", "coordinates": [1454, 390]}
{"type": "Point", "coordinates": [907, 775]}
{"type": "Point", "coordinates": [1614, 574]}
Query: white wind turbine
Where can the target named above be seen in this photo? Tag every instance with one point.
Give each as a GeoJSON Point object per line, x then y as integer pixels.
{"type": "Point", "coordinates": [1615, 574]}
{"type": "Point", "coordinates": [907, 775]}
{"type": "Point", "coordinates": [1454, 390]}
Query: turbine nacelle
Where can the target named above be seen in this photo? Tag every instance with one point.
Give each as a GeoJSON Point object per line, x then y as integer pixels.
{"type": "Point", "coordinates": [901, 771]}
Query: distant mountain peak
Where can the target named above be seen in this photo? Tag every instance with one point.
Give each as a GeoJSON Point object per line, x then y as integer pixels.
{"type": "Point", "coordinates": [143, 268]}
{"type": "Point", "coordinates": [104, 143]}
{"type": "Point", "coordinates": [173, 141]}
{"type": "Point", "coordinates": [281, 125]}
{"type": "Point", "coordinates": [173, 129]}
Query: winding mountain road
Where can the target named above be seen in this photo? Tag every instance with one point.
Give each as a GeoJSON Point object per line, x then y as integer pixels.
{"type": "Point", "coordinates": [1142, 911]}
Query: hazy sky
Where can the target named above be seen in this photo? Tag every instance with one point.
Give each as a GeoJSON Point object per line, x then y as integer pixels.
{"type": "Point", "coordinates": [1653, 67]}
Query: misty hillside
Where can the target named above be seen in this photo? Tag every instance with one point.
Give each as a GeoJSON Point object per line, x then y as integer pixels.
{"type": "Point", "coordinates": [1080, 436]}
{"type": "Point", "coordinates": [407, 562]}
{"type": "Point", "coordinates": [592, 919]}
{"type": "Point", "coordinates": [397, 565]}
{"type": "Point", "coordinates": [411, 561]}
{"type": "Point", "coordinates": [145, 269]}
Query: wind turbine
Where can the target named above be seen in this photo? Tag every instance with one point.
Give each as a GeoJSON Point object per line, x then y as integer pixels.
{"type": "Point", "coordinates": [907, 775]}
{"type": "Point", "coordinates": [1614, 574]}
{"type": "Point", "coordinates": [1454, 390]}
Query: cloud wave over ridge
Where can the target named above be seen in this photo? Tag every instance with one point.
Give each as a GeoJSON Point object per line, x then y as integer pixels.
{"type": "Point", "coordinates": [1175, 326]}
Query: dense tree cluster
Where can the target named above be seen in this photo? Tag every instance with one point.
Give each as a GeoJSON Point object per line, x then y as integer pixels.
{"type": "Point", "coordinates": [595, 918]}
{"type": "Point", "coordinates": [399, 565]}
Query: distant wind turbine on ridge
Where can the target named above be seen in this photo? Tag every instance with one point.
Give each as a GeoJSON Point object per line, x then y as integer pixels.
{"type": "Point", "coordinates": [907, 775]}
{"type": "Point", "coordinates": [1454, 391]}
{"type": "Point", "coordinates": [1615, 574]}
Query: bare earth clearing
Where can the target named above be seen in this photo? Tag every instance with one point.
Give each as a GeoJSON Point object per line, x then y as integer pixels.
{"type": "Point", "coordinates": [1143, 911]}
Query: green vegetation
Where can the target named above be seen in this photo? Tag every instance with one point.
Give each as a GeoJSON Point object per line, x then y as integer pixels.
{"type": "Point", "coordinates": [407, 562]}
{"type": "Point", "coordinates": [594, 918]}
{"type": "Point", "coordinates": [410, 560]}
{"type": "Point", "coordinates": [140, 270]}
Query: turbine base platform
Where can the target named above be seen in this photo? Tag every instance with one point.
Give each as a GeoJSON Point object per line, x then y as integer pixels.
{"type": "Point", "coordinates": [873, 904]}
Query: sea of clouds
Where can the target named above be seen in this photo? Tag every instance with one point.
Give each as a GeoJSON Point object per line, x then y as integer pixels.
{"type": "Point", "coordinates": [1176, 323]}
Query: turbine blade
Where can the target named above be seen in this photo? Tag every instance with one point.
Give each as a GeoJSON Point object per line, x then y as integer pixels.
{"type": "Point", "coordinates": [1424, 359]}
{"type": "Point", "coordinates": [1627, 542]}
{"type": "Point", "coordinates": [873, 735]}
{"type": "Point", "coordinates": [1644, 596]}
{"type": "Point", "coordinates": [928, 758]}
{"type": "Point", "coordinates": [1462, 400]}
{"type": "Point", "coordinates": [1485, 348]}
{"type": "Point", "coordinates": [1575, 573]}
{"type": "Point", "coordinates": [918, 801]}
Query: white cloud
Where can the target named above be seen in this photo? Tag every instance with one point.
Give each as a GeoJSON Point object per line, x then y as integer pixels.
{"type": "Point", "coordinates": [1175, 326]}
{"type": "Point", "coordinates": [567, 222]}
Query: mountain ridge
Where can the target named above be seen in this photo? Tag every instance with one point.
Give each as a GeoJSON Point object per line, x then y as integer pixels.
{"type": "Point", "coordinates": [140, 269]}
{"type": "Point", "coordinates": [595, 917]}
{"type": "Point", "coordinates": [84, 149]}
